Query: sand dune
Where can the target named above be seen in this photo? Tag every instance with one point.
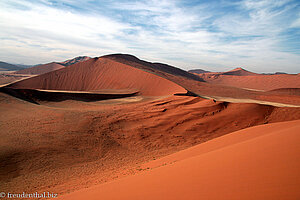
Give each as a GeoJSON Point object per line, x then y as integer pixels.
{"type": "Point", "coordinates": [255, 163]}
{"type": "Point", "coordinates": [239, 72]}
{"type": "Point", "coordinates": [70, 134]}
{"type": "Point", "coordinates": [198, 87]}
{"type": "Point", "coordinates": [49, 67]}
{"type": "Point", "coordinates": [69, 145]}
{"type": "Point", "coordinates": [260, 82]}
{"type": "Point", "coordinates": [41, 69]}
{"type": "Point", "coordinates": [160, 69]}
{"type": "Point", "coordinates": [101, 73]}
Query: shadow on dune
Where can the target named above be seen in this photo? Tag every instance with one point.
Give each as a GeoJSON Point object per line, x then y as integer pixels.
{"type": "Point", "coordinates": [34, 96]}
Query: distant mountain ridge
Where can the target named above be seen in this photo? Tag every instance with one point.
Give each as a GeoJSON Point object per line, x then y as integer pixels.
{"type": "Point", "coordinates": [74, 60]}
{"type": "Point", "coordinates": [45, 68]}
{"type": "Point", "coordinates": [9, 67]}
{"type": "Point", "coordinates": [41, 69]}
{"type": "Point", "coordinates": [198, 71]}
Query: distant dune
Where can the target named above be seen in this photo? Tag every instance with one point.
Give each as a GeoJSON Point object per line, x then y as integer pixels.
{"type": "Point", "coordinates": [49, 67]}
{"type": "Point", "coordinates": [258, 82]}
{"type": "Point", "coordinates": [239, 72]}
{"type": "Point", "coordinates": [41, 69]}
{"type": "Point", "coordinates": [242, 78]}
{"type": "Point", "coordinates": [101, 73]}
{"type": "Point", "coordinates": [254, 163]}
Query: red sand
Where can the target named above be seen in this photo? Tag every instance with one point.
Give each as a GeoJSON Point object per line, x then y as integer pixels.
{"type": "Point", "coordinates": [102, 73]}
{"type": "Point", "coordinates": [255, 163]}
{"type": "Point", "coordinates": [239, 72]}
{"type": "Point", "coordinates": [210, 89]}
{"type": "Point", "coordinates": [41, 69]}
{"type": "Point", "coordinates": [258, 82]}
{"type": "Point", "coordinates": [70, 145]}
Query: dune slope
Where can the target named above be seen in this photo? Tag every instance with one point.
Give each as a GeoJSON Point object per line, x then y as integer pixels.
{"type": "Point", "coordinates": [256, 163]}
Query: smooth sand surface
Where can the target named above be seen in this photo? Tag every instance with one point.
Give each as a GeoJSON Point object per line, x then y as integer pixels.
{"type": "Point", "coordinates": [256, 163]}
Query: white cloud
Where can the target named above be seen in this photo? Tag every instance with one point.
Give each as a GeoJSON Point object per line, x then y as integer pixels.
{"type": "Point", "coordinates": [161, 30]}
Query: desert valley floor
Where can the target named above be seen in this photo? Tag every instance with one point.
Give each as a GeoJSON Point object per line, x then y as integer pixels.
{"type": "Point", "coordinates": [117, 127]}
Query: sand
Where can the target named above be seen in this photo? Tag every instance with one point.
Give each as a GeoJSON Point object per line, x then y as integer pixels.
{"type": "Point", "coordinates": [68, 145]}
{"type": "Point", "coordinates": [64, 133]}
{"type": "Point", "coordinates": [258, 82]}
{"type": "Point", "coordinates": [255, 163]}
{"type": "Point", "coordinates": [40, 69]}
{"type": "Point", "coordinates": [99, 74]}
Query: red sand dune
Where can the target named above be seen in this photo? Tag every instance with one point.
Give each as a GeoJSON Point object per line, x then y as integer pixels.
{"type": "Point", "coordinates": [102, 73]}
{"type": "Point", "coordinates": [258, 82]}
{"type": "Point", "coordinates": [256, 163]}
{"type": "Point", "coordinates": [49, 67]}
{"type": "Point", "coordinates": [239, 72]}
{"type": "Point", "coordinates": [198, 87]}
{"type": "Point", "coordinates": [235, 72]}
{"type": "Point", "coordinates": [41, 69]}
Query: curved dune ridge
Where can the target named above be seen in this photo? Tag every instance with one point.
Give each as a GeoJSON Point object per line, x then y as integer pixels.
{"type": "Point", "coordinates": [101, 73]}
{"type": "Point", "coordinates": [41, 69]}
{"type": "Point", "coordinates": [255, 163]}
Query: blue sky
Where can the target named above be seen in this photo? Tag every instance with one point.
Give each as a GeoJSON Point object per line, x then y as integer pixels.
{"type": "Point", "coordinates": [217, 35]}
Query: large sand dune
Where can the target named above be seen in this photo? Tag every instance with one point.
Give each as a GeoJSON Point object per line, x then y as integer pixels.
{"type": "Point", "coordinates": [255, 163]}
{"type": "Point", "coordinates": [102, 73]}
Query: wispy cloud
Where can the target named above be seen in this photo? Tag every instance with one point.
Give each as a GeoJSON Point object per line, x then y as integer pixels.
{"type": "Point", "coordinates": [218, 35]}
